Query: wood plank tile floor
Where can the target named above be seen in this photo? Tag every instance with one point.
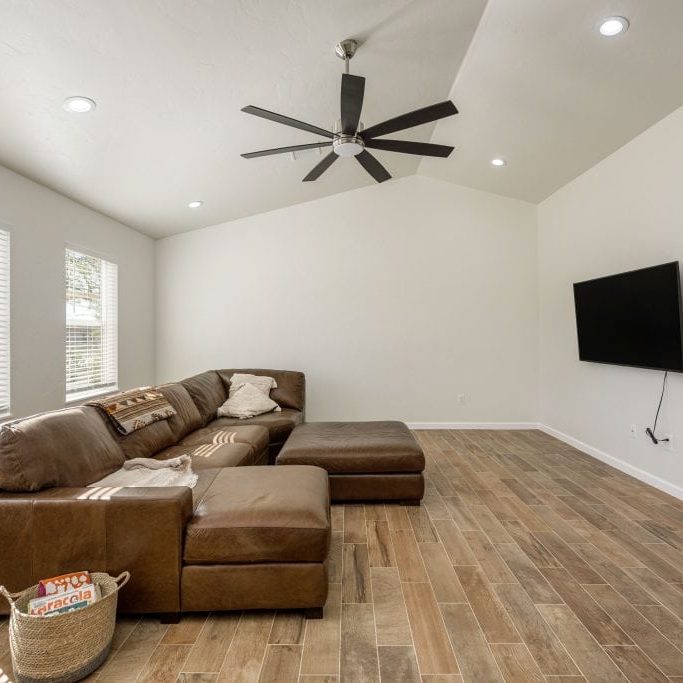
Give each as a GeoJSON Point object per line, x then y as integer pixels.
{"type": "Point", "coordinates": [528, 561]}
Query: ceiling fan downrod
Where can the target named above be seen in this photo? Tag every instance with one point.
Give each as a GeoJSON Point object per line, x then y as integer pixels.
{"type": "Point", "coordinates": [345, 50]}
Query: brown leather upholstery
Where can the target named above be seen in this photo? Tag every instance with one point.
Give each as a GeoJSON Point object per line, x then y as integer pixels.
{"type": "Point", "coordinates": [291, 385]}
{"type": "Point", "coordinates": [267, 514]}
{"type": "Point", "coordinates": [365, 460]}
{"type": "Point", "coordinates": [279, 425]}
{"type": "Point", "coordinates": [253, 536]}
{"type": "Point", "coordinates": [145, 442]}
{"type": "Point", "coordinates": [135, 529]}
{"type": "Point", "coordinates": [205, 478]}
{"type": "Point", "coordinates": [187, 418]}
{"type": "Point", "coordinates": [354, 447]}
{"type": "Point", "coordinates": [70, 447]}
{"type": "Point", "coordinates": [221, 455]}
{"type": "Point", "coordinates": [208, 393]}
{"type": "Point", "coordinates": [281, 585]}
{"type": "Point", "coordinates": [253, 435]}
{"type": "Point", "coordinates": [399, 487]}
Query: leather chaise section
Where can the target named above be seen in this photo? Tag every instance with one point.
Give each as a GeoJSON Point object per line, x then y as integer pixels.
{"type": "Point", "coordinates": [272, 514]}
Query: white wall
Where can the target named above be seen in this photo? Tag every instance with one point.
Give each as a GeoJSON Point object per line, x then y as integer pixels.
{"type": "Point", "coordinates": [625, 213]}
{"type": "Point", "coordinates": [392, 298]}
{"type": "Point", "coordinates": [41, 222]}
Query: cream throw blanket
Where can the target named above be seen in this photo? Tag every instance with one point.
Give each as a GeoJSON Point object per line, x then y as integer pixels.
{"type": "Point", "coordinates": [149, 472]}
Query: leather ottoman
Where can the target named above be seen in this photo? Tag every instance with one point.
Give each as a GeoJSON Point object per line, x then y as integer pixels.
{"type": "Point", "coordinates": [364, 460]}
{"type": "Point", "coordinates": [259, 539]}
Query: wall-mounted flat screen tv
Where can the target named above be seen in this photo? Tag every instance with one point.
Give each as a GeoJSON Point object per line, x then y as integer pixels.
{"type": "Point", "coordinates": [632, 318]}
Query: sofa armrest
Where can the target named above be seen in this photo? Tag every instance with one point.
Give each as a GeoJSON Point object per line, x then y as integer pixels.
{"type": "Point", "coordinates": [100, 529]}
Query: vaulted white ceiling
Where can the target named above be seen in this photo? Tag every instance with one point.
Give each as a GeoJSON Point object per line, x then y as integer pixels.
{"type": "Point", "coordinates": [543, 89]}
{"type": "Point", "coordinates": [533, 79]}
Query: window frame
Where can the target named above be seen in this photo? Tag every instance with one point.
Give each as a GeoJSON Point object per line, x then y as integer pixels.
{"type": "Point", "coordinates": [77, 397]}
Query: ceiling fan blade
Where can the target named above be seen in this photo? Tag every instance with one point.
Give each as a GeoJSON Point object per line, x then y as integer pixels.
{"type": "Point", "coordinates": [414, 118]}
{"type": "Point", "coordinates": [352, 90]}
{"type": "Point", "coordinates": [321, 167]}
{"type": "Point", "coordinates": [372, 166]}
{"type": "Point", "coordinates": [279, 118]}
{"type": "Point", "coordinates": [426, 149]}
{"type": "Point", "coordinates": [282, 150]}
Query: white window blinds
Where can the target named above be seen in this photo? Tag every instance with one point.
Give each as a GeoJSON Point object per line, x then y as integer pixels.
{"type": "Point", "coordinates": [4, 324]}
{"type": "Point", "coordinates": [91, 325]}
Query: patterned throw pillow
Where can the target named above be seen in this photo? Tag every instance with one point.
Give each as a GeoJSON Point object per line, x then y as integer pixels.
{"type": "Point", "coordinates": [247, 401]}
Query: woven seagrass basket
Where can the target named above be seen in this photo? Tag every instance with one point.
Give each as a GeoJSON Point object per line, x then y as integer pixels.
{"type": "Point", "coordinates": [67, 647]}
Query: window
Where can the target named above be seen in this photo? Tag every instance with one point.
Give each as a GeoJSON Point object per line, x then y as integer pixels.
{"type": "Point", "coordinates": [4, 324]}
{"type": "Point", "coordinates": [91, 326]}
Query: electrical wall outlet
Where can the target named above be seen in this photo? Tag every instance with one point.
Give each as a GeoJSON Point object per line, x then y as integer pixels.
{"type": "Point", "coordinates": [634, 431]}
{"type": "Point", "coordinates": [461, 398]}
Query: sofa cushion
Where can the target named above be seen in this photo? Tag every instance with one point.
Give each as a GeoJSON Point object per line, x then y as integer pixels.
{"type": "Point", "coordinates": [70, 447]}
{"type": "Point", "coordinates": [354, 447]}
{"type": "Point", "coordinates": [205, 456]}
{"type": "Point", "coordinates": [145, 442]}
{"type": "Point", "coordinates": [254, 435]}
{"type": "Point", "coordinates": [261, 514]}
{"type": "Point", "coordinates": [291, 385]}
{"type": "Point", "coordinates": [208, 393]}
{"type": "Point", "coordinates": [279, 425]}
{"type": "Point", "coordinates": [187, 417]}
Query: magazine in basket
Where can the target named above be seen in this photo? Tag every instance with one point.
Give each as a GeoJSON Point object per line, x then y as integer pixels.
{"type": "Point", "coordinates": [64, 593]}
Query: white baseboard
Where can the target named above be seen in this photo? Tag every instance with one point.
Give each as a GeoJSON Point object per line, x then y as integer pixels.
{"type": "Point", "coordinates": [472, 425]}
{"type": "Point", "coordinates": [625, 467]}
{"type": "Point", "coordinates": [596, 453]}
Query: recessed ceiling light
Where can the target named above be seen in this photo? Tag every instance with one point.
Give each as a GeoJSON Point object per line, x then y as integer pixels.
{"type": "Point", "coordinates": [79, 104]}
{"type": "Point", "coordinates": [613, 26]}
{"type": "Point", "coordinates": [195, 204]}
{"type": "Point", "coordinates": [498, 162]}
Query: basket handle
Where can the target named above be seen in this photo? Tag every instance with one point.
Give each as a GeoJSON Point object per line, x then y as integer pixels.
{"type": "Point", "coordinates": [121, 580]}
{"type": "Point", "coordinates": [11, 597]}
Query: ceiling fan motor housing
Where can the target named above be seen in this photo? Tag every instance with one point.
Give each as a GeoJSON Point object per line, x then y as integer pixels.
{"type": "Point", "coordinates": [348, 145]}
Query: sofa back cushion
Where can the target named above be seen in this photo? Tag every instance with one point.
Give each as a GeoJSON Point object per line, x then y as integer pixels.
{"type": "Point", "coordinates": [291, 385]}
{"type": "Point", "coordinates": [208, 393]}
{"type": "Point", "coordinates": [187, 418]}
{"type": "Point", "coordinates": [145, 442]}
{"type": "Point", "coordinates": [70, 447]}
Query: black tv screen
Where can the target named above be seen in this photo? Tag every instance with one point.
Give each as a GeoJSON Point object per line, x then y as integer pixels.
{"type": "Point", "coordinates": [632, 318]}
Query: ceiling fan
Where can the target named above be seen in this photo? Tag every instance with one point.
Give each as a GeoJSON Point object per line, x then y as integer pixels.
{"type": "Point", "coordinates": [349, 138]}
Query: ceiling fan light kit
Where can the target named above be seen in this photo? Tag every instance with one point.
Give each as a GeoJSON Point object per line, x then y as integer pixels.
{"type": "Point", "coordinates": [349, 138]}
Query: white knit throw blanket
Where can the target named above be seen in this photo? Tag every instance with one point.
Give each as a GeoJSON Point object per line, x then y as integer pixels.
{"type": "Point", "coordinates": [139, 472]}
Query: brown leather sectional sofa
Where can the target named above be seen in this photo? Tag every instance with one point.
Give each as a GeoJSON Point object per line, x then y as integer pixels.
{"type": "Point", "coordinates": [245, 537]}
